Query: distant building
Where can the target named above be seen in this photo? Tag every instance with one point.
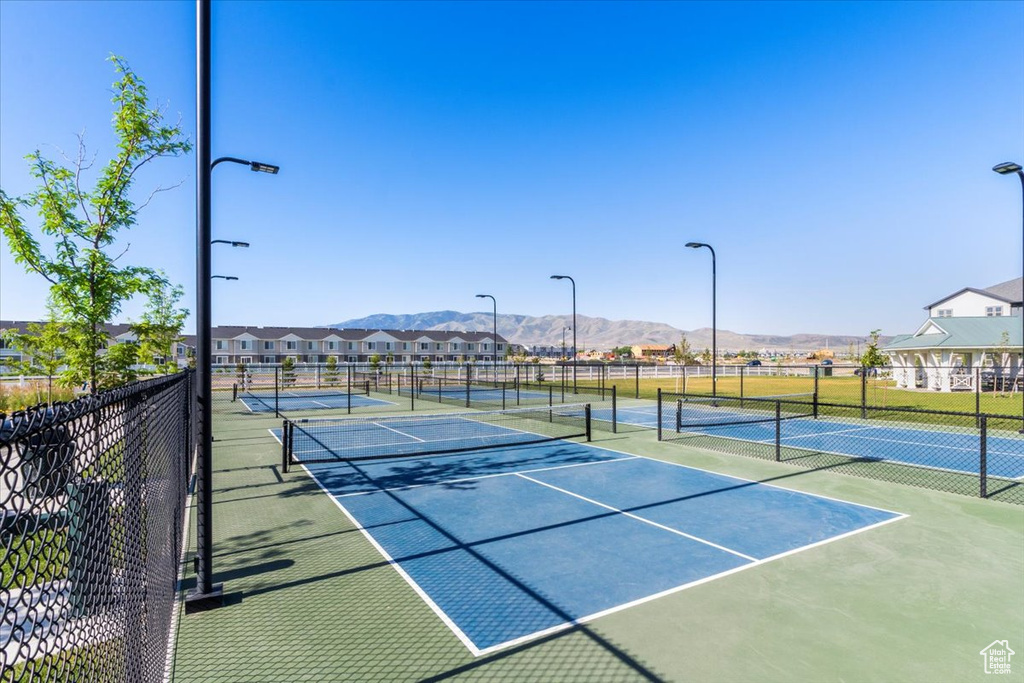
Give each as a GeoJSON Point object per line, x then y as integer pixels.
{"type": "Point", "coordinates": [271, 345]}
{"type": "Point", "coordinates": [654, 351]}
{"type": "Point", "coordinates": [966, 332]}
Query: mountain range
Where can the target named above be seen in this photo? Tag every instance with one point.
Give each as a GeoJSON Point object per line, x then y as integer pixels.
{"type": "Point", "coordinates": [597, 333]}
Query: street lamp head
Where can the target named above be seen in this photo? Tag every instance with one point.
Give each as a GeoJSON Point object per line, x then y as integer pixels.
{"type": "Point", "coordinates": [695, 245]}
{"type": "Point", "coordinates": [1006, 168]}
{"type": "Point", "coordinates": [482, 296]}
{"type": "Point", "coordinates": [559, 277]}
{"type": "Point", "coordinates": [260, 167]}
{"type": "Point", "coordinates": [223, 277]}
{"type": "Point", "coordinates": [240, 244]}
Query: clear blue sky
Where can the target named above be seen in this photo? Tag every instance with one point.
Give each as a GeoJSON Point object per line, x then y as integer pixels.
{"type": "Point", "coordinates": [837, 155]}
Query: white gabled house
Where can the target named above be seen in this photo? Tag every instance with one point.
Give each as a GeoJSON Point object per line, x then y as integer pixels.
{"type": "Point", "coordinates": [970, 336]}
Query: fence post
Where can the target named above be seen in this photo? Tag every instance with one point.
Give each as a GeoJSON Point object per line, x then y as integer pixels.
{"type": "Point", "coordinates": [659, 413]}
{"type": "Point", "coordinates": [863, 392]}
{"type": "Point", "coordinates": [348, 389]}
{"type": "Point", "coordinates": [277, 391]}
{"type": "Point", "coordinates": [778, 431]}
{"type": "Point", "coordinates": [816, 375]}
{"type": "Point", "coordinates": [977, 395]}
{"type": "Point", "coordinates": [983, 459]}
{"type": "Point", "coordinates": [637, 369]}
{"type": "Point", "coordinates": [742, 373]}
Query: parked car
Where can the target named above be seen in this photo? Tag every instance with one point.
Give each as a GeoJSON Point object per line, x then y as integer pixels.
{"type": "Point", "coordinates": [871, 372]}
{"type": "Point", "coordinates": [827, 361]}
{"type": "Point", "coordinates": [753, 363]}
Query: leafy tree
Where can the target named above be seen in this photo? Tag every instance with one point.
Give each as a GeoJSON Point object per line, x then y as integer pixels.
{"type": "Point", "coordinates": [160, 328]}
{"type": "Point", "coordinates": [426, 363]}
{"type": "Point", "coordinates": [684, 354]}
{"type": "Point", "coordinates": [331, 371]}
{"type": "Point", "coordinates": [375, 362]}
{"type": "Point", "coordinates": [288, 371]}
{"type": "Point", "coordinates": [42, 347]}
{"type": "Point", "coordinates": [88, 285]}
{"type": "Point", "coordinates": [119, 364]}
{"type": "Point", "coordinates": [623, 351]}
{"type": "Point", "coordinates": [873, 358]}
{"type": "Point", "coordinates": [705, 356]}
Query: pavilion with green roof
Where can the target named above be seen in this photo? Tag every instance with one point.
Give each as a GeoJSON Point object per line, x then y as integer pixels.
{"type": "Point", "coordinates": [971, 335]}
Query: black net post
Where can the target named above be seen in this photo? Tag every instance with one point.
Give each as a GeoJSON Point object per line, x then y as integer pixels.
{"type": "Point", "coordinates": [983, 459]}
{"type": "Point", "coordinates": [412, 388]}
{"type": "Point", "coordinates": [659, 412]}
{"type": "Point", "coordinates": [778, 431]}
{"type": "Point", "coordinates": [277, 391]}
{"type": "Point", "coordinates": [741, 382]}
{"type": "Point", "coordinates": [348, 390]}
{"type": "Point", "coordinates": [684, 380]}
{"type": "Point", "coordinates": [234, 392]}
{"type": "Point", "coordinates": [503, 388]}
{"type": "Point", "coordinates": [551, 395]}
{"type": "Point", "coordinates": [468, 385]}
{"type": "Point", "coordinates": [284, 446]}
{"type": "Point", "coordinates": [679, 415]}
{"type": "Point", "coordinates": [615, 417]}
{"type": "Point", "coordinates": [586, 411]}
{"type": "Point", "coordinates": [636, 371]}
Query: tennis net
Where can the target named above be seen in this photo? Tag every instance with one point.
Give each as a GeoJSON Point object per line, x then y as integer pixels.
{"type": "Point", "coordinates": [705, 412]}
{"type": "Point", "coordinates": [316, 440]}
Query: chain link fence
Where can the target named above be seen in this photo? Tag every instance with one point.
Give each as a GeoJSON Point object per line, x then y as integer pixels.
{"type": "Point", "coordinates": [93, 497]}
{"type": "Point", "coordinates": [977, 455]}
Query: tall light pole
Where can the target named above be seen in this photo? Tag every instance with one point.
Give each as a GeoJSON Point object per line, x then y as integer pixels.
{"type": "Point", "coordinates": [495, 341]}
{"type": "Point", "coordinates": [566, 277]}
{"type": "Point", "coordinates": [205, 594]}
{"type": "Point", "coordinates": [714, 315]}
{"type": "Point", "coordinates": [1007, 168]}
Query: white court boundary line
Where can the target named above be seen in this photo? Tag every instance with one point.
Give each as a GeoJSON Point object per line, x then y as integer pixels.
{"type": "Point", "coordinates": [477, 652]}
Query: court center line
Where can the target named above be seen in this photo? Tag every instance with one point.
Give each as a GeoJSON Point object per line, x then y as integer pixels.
{"type": "Point", "coordinates": [641, 519]}
{"type": "Point", "coordinates": [397, 431]}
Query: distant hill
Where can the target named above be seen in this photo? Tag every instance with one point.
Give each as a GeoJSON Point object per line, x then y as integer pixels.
{"type": "Point", "coordinates": [597, 333]}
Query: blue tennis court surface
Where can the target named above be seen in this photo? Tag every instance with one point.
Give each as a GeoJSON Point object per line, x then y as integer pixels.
{"type": "Point", "coordinates": [511, 543]}
{"type": "Point", "coordinates": [888, 442]}
{"type": "Point", "coordinates": [290, 401]}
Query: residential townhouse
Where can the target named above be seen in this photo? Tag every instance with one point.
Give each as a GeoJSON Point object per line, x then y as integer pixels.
{"type": "Point", "coordinates": [269, 345]}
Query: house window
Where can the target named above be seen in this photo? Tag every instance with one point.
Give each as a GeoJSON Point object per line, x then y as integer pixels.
{"type": "Point", "coordinates": [352, 359]}
{"type": "Point", "coordinates": [310, 346]}
{"type": "Point", "coordinates": [351, 346]}
{"type": "Point", "coordinates": [439, 359]}
{"type": "Point", "coordinates": [455, 346]}
{"type": "Point", "coordinates": [424, 346]}
{"type": "Point", "coordinates": [993, 311]}
{"type": "Point", "coordinates": [268, 346]}
{"type": "Point", "coordinates": [246, 360]}
{"type": "Point", "coordinates": [405, 346]}
{"type": "Point", "coordinates": [219, 345]}
{"type": "Point", "coordinates": [269, 359]}
{"type": "Point", "coordinates": [290, 345]}
{"type": "Point", "coordinates": [387, 346]}
{"type": "Point", "coordinates": [331, 346]}
{"type": "Point", "coordinates": [469, 346]}
{"type": "Point", "coordinates": [370, 346]}
{"type": "Point", "coordinates": [222, 360]}
{"type": "Point", "coordinates": [944, 313]}
{"type": "Point", "coordinates": [501, 347]}
{"type": "Point", "coordinates": [246, 345]}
